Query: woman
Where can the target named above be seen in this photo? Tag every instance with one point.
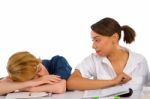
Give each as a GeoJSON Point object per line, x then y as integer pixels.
{"type": "Point", "coordinates": [112, 64]}
{"type": "Point", "coordinates": [23, 66]}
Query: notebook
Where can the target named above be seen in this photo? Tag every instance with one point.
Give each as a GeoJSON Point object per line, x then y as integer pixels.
{"type": "Point", "coordinates": [27, 95]}
{"type": "Point", "coordinates": [111, 91]}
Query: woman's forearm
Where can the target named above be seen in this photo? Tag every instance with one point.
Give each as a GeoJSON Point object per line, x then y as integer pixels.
{"type": "Point", "coordinates": [77, 83]}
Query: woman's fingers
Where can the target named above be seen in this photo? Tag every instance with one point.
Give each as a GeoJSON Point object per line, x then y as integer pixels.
{"type": "Point", "coordinates": [122, 78]}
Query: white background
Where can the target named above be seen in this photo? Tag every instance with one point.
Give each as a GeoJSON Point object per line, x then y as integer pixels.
{"type": "Point", "coordinates": [51, 27]}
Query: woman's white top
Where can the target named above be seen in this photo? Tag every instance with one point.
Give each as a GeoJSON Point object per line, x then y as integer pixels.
{"type": "Point", "coordinates": [100, 68]}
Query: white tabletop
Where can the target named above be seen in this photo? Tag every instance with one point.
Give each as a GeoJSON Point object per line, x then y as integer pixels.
{"type": "Point", "coordinates": [79, 94]}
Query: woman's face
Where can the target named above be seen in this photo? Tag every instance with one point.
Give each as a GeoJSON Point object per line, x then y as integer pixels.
{"type": "Point", "coordinates": [102, 44]}
{"type": "Point", "coordinates": [41, 71]}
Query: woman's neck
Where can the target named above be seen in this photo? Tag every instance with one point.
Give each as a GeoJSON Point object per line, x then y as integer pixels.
{"type": "Point", "coordinates": [117, 54]}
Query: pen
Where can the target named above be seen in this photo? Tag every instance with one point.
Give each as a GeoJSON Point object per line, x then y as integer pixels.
{"type": "Point", "coordinates": [30, 93]}
{"type": "Point", "coordinates": [95, 98]}
{"type": "Point", "coordinates": [116, 97]}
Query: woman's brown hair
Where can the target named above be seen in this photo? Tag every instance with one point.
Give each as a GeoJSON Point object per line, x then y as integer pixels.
{"type": "Point", "coordinates": [109, 26]}
{"type": "Point", "coordinates": [22, 66]}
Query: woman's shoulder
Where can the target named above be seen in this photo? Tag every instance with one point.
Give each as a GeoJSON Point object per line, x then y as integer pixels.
{"type": "Point", "coordinates": [92, 58]}
{"type": "Point", "coordinates": [136, 56]}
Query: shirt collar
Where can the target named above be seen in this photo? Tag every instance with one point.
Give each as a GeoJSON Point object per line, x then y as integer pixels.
{"type": "Point", "coordinates": [132, 61]}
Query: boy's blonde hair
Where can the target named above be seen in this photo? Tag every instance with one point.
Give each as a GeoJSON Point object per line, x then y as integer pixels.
{"type": "Point", "coordinates": [22, 66]}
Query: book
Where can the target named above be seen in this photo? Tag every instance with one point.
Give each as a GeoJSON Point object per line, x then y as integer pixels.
{"type": "Point", "coordinates": [26, 95]}
{"type": "Point", "coordinates": [106, 92]}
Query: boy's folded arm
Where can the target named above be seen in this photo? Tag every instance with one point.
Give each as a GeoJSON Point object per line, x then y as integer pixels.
{"type": "Point", "coordinates": [8, 86]}
{"type": "Point", "coordinates": [59, 87]}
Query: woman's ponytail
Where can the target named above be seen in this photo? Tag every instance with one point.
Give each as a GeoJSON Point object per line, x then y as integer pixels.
{"type": "Point", "coordinates": [129, 34]}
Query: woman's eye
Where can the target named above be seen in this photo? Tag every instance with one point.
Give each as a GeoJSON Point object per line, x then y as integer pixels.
{"type": "Point", "coordinates": [97, 40]}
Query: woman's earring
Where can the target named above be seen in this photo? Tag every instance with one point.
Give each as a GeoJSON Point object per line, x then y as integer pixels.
{"type": "Point", "coordinates": [113, 42]}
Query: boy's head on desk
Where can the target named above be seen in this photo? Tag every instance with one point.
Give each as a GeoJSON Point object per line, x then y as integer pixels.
{"type": "Point", "coordinates": [23, 66]}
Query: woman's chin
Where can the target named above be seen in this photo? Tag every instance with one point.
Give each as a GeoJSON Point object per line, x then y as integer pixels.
{"type": "Point", "coordinates": [100, 54]}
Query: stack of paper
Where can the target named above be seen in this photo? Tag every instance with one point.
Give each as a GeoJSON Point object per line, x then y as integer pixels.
{"type": "Point", "coordinates": [111, 91]}
{"type": "Point", "coordinates": [24, 95]}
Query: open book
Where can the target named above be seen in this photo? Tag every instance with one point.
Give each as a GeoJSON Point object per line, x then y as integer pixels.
{"type": "Point", "coordinates": [111, 91]}
{"type": "Point", "coordinates": [25, 95]}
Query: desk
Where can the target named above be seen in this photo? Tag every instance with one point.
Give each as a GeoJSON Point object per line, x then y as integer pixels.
{"type": "Point", "coordinates": [79, 94]}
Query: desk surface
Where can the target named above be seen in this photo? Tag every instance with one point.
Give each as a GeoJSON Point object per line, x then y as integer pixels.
{"type": "Point", "coordinates": [79, 94]}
